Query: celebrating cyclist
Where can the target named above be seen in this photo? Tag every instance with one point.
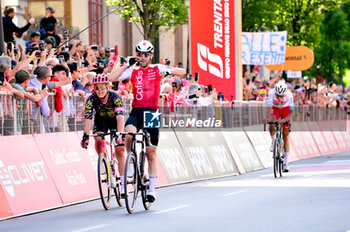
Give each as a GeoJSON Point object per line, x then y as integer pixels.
{"type": "Point", "coordinates": [280, 109]}
{"type": "Point", "coordinates": [146, 81]}
{"type": "Point", "coordinates": [109, 114]}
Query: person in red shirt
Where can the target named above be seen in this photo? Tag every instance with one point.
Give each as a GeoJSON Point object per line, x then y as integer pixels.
{"type": "Point", "coordinates": [146, 81]}
{"type": "Point", "coordinates": [59, 73]}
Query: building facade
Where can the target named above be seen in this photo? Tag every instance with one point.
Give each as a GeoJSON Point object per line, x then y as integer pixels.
{"type": "Point", "coordinates": [77, 15]}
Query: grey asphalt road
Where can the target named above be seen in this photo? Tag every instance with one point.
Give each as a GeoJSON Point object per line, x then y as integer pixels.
{"type": "Point", "coordinates": [314, 196]}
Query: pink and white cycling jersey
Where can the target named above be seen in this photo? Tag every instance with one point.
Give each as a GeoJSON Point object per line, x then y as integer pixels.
{"type": "Point", "coordinates": [287, 100]}
{"type": "Point", "coordinates": [145, 84]}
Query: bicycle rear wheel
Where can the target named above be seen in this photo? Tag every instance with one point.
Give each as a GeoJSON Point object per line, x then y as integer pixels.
{"type": "Point", "coordinates": [280, 159]}
{"type": "Point", "coordinates": [130, 182]}
{"type": "Point", "coordinates": [104, 183]}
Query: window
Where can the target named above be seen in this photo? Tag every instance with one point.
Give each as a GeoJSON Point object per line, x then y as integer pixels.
{"type": "Point", "coordinates": [96, 31]}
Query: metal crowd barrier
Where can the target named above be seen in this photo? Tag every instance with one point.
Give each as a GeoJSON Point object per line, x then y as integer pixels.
{"type": "Point", "coordinates": [16, 116]}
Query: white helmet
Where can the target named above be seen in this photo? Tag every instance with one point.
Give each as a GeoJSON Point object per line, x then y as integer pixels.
{"type": "Point", "coordinates": [281, 88]}
{"type": "Point", "coordinates": [144, 46]}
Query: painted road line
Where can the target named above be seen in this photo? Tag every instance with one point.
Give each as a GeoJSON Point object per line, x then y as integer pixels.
{"type": "Point", "coordinates": [91, 228]}
{"type": "Point", "coordinates": [171, 209]}
{"type": "Point", "coordinates": [233, 193]}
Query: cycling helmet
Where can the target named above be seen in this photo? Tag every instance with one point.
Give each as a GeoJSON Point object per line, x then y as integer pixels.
{"type": "Point", "coordinates": [281, 88]}
{"type": "Point", "coordinates": [144, 46]}
{"type": "Point", "coordinates": [100, 79]}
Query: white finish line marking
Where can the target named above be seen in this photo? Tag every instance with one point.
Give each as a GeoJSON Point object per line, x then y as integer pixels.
{"type": "Point", "coordinates": [233, 193]}
{"type": "Point", "coordinates": [91, 228]}
{"type": "Point", "coordinates": [172, 209]}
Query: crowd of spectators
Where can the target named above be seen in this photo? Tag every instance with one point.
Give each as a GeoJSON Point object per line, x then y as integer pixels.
{"type": "Point", "coordinates": [306, 91]}
{"type": "Point", "coordinates": [46, 74]}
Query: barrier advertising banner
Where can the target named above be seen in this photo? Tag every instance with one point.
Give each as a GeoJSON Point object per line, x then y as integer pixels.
{"type": "Point", "coordinates": [208, 154]}
{"type": "Point", "coordinates": [5, 210]}
{"type": "Point", "coordinates": [214, 44]}
{"type": "Point", "coordinates": [70, 166]}
{"type": "Point", "coordinates": [261, 141]}
{"type": "Point", "coordinates": [176, 165]}
{"type": "Point", "coordinates": [27, 182]}
{"type": "Point", "coordinates": [242, 151]}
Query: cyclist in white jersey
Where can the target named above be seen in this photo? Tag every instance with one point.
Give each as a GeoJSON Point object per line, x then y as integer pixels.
{"type": "Point", "coordinates": [281, 109]}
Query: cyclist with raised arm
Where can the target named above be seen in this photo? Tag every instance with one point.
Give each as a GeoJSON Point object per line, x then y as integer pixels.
{"type": "Point", "coordinates": [146, 81]}
{"type": "Point", "coordinates": [280, 109]}
{"type": "Point", "coordinates": [109, 114]}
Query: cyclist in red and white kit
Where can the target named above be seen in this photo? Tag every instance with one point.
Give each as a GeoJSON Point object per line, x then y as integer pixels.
{"type": "Point", "coordinates": [281, 109]}
{"type": "Point", "coordinates": [146, 81]}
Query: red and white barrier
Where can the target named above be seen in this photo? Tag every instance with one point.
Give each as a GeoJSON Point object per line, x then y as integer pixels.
{"type": "Point", "coordinates": [43, 171]}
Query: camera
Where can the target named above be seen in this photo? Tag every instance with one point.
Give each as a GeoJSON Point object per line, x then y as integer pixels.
{"type": "Point", "coordinates": [41, 46]}
{"type": "Point", "coordinates": [43, 86]}
{"type": "Point", "coordinates": [94, 47]}
{"type": "Point", "coordinates": [196, 77]}
{"type": "Point", "coordinates": [131, 61]}
{"type": "Point", "coordinates": [61, 58]}
{"type": "Point", "coordinates": [2, 78]}
{"type": "Point", "coordinates": [9, 46]}
{"type": "Point", "coordinates": [122, 60]}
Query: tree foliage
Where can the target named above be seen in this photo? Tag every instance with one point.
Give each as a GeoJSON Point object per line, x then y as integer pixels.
{"type": "Point", "coordinates": [152, 14]}
{"type": "Point", "coordinates": [322, 25]}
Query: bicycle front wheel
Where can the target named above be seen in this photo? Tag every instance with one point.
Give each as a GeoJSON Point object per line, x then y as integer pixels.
{"type": "Point", "coordinates": [117, 192]}
{"type": "Point", "coordinates": [104, 183]}
{"type": "Point", "coordinates": [130, 182]}
{"type": "Point", "coordinates": [275, 158]}
{"type": "Point", "coordinates": [144, 183]}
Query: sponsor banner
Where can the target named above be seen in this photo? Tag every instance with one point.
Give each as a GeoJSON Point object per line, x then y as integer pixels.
{"type": "Point", "coordinates": [298, 58]}
{"type": "Point", "coordinates": [302, 143]}
{"type": "Point", "coordinates": [329, 137]}
{"type": "Point", "coordinates": [264, 47]}
{"type": "Point", "coordinates": [342, 137]}
{"type": "Point", "coordinates": [5, 210]}
{"type": "Point", "coordinates": [72, 169]}
{"type": "Point", "coordinates": [27, 182]}
{"type": "Point", "coordinates": [176, 165]}
{"type": "Point", "coordinates": [261, 141]}
{"type": "Point", "coordinates": [214, 53]}
{"type": "Point", "coordinates": [319, 138]}
{"type": "Point", "coordinates": [208, 154]}
{"type": "Point", "coordinates": [242, 151]}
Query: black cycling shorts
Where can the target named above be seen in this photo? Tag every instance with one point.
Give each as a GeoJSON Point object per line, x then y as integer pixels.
{"type": "Point", "coordinates": [136, 119]}
{"type": "Point", "coordinates": [103, 124]}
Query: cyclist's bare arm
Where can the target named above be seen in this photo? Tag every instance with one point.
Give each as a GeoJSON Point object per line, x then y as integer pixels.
{"type": "Point", "coordinates": [268, 113]}
{"type": "Point", "coordinates": [87, 125]}
{"type": "Point", "coordinates": [120, 123]}
{"type": "Point", "coordinates": [179, 72]}
{"type": "Point", "coordinates": [114, 76]}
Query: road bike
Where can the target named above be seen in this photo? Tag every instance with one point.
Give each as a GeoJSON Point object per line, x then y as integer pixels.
{"type": "Point", "coordinates": [136, 177]}
{"type": "Point", "coordinates": [278, 149]}
{"type": "Point", "coordinates": [107, 168]}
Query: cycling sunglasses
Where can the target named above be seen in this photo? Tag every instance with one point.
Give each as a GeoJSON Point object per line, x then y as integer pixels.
{"type": "Point", "coordinates": [100, 87]}
{"type": "Point", "coordinates": [263, 95]}
{"type": "Point", "coordinates": [145, 54]}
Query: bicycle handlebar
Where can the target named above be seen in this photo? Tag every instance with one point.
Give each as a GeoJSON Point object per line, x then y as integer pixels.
{"type": "Point", "coordinates": [117, 133]}
{"type": "Point", "coordinates": [275, 123]}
